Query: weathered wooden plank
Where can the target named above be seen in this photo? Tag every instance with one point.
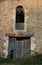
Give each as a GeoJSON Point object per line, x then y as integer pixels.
{"type": "Point", "coordinates": [19, 49]}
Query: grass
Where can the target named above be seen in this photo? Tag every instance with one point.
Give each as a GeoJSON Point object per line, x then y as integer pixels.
{"type": "Point", "coordinates": [30, 60]}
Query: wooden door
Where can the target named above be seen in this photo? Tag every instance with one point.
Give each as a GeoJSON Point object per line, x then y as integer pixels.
{"type": "Point", "coordinates": [20, 47]}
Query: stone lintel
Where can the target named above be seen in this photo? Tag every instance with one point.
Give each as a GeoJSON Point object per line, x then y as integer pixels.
{"type": "Point", "coordinates": [12, 34]}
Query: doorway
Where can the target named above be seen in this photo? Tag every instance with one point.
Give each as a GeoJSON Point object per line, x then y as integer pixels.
{"type": "Point", "coordinates": [19, 46]}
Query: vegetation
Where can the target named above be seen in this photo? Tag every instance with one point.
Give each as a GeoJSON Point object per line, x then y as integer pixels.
{"type": "Point", "coordinates": [30, 60]}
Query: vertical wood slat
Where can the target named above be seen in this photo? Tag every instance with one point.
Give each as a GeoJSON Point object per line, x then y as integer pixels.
{"type": "Point", "coordinates": [26, 47]}
{"type": "Point", "coordinates": [14, 48]}
{"type": "Point", "coordinates": [22, 47]}
{"type": "Point", "coordinates": [18, 49]}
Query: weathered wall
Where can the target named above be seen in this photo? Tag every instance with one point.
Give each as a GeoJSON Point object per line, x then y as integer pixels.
{"type": "Point", "coordinates": [33, 17]}
{"type": "Point", "coordinates": [35, 24]}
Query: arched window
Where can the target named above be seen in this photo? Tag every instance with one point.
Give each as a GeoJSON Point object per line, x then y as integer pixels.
{"type": "Point", "coordinates": [19, 18]}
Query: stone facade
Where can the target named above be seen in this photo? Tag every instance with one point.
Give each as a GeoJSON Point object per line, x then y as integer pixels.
{"type": "Point", "coordinates": [33, 21]}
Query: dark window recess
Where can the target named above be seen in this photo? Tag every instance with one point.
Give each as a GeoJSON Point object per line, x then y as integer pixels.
{"type": "Point", "coordinates": [19, 18]}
